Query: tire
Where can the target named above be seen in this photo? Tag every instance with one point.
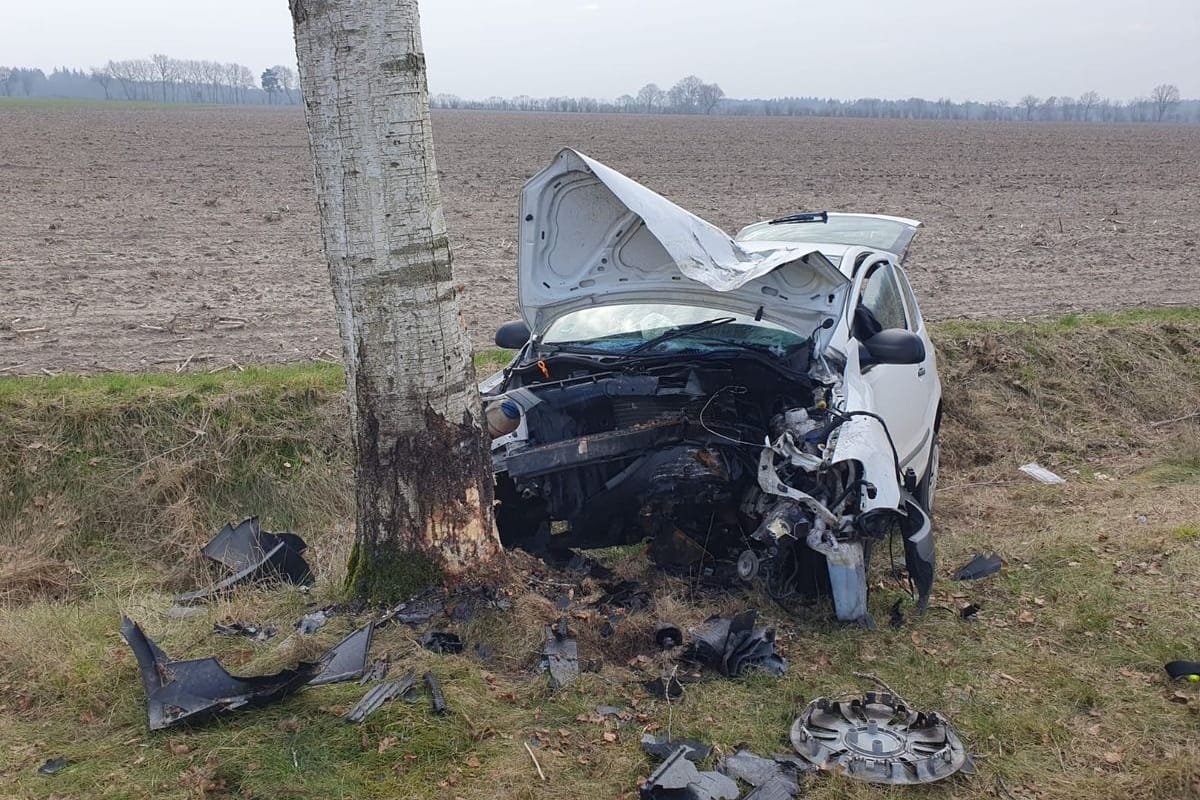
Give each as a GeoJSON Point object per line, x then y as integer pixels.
{"type": "Point", "coordinates": [927, 488]}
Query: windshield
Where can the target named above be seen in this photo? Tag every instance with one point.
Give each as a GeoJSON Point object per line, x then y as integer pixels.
{"type": "Point", "coordinates": [845, 229]}
{"type": "Point", "coordinates": [661, 328]}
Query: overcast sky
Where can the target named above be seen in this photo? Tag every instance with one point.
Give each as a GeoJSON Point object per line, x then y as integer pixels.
{"type": "Point", "coordinates": [976, 49]}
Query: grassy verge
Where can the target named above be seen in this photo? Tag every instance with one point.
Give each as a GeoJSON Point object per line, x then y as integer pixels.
{"type": "Point", "coordinates": [110, 485]}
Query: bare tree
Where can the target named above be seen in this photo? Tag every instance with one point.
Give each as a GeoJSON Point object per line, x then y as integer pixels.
{"type": "Point", "coordinates": [685, 95]}
{"type": "Point", "coordinates": [1030, 102]}
{"type": "Point", "coordinates": [102, 77]}
{"type": "Point", "coordinates": [1165, 97]}
{"type": "Point", "coordinates": [5, 80]}
{"type": "Point", "coordinates": [708, 95]}
{"type": "Point", "coordinates": [423, 473]}
{"type": "Point", "coordinates": [287, 79]}
{"type": "Point", "coordinates": [165, 67]}
{"type": "Point", "coordinates": [650, 97]}
{"type": "Point", "coordinates": [1087, 101]}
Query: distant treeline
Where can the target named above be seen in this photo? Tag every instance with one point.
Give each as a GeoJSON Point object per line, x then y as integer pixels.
{"type": "Point", "coordinates": [159, 78]}
{"type": "Point", "coordinates": [693, 96]}
{"type": "Point", "coordinates": [165, 79]}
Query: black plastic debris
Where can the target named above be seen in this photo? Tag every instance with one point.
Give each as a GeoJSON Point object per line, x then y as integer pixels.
{"type": "Point", "coordinates": [442, 642]}
{"type": "Point", "coordinates": [414, 612]}
{"type": "Point", "coordinates": [662, 747]}
{"type": "Point", "coordinates": [377, 671]}
{"type": "Point", "coordinates": [667, 636]}
{"type": "Point", "coordinates": [730, 645]}
{"type": "Point", "coordinates": [664, 690]}
{"type": "Point", "coordinates": [54, 766]}
{"type": "Point", "coordinates": [627, 595]}
{"type": "Point", "coordinates": [968, 611]}
{"type": "Point", "coordinates": [437, 699]}
{"type": "Point", "coordinates": [256, 632]}
{"type": "Point", "coordinates": [347, 660]}
{"type": "Point", "coordinates": [678, 779]}
{"type": "Point", "coordinates": [1183, 670]}
{"type": "Point", "coordinates": [980, 566]}
{"type": "Point", "coordinates": [253, 555]}
{"type": "Point", "coordinates": [775, 778]}
{"type": "Point", "coordinates": [311, 623]}
{"type": "Point", "coordinates": [380, 694]}
{"type": "Point", "coordinates": [560, 656]}
{"type": "Point", "coordinates": [896, 616]}
{"type": "Point", "coordinates": [195, 690]}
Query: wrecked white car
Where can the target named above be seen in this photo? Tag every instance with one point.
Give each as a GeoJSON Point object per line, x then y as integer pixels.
{"type": "Point", "coordinates": [766, 404]}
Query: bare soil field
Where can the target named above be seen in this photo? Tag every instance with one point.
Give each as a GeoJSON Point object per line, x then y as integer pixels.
{"type": "Point", "coordinates": [187, 239]}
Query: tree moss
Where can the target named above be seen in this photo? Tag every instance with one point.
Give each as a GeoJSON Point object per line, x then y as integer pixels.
{"type": "Point", "coordinates": [394, 574]}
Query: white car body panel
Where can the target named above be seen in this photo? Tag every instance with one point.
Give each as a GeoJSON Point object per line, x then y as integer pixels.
{"type": "Point", "coordinates": [591, 236]}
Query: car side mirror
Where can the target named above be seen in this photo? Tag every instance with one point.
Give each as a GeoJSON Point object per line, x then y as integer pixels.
{"type": "Point", "coordinates": [512, 335]}
{"type": "Point", "coordinates": [892, 346]}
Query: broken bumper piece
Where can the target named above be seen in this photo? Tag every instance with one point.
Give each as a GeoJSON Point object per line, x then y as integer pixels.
{"type": "Point", "coordinates": [347, 660]}
{"type": "Point", "coordinates": [678, 779]}
{"type": "Point", "coordinates": [380, 694]}
{"type": "Point", "coordinates": [877, 738]}
{"type": "Point", "coordinates": [731, 645]}
{"type": "Point", "coordinates": [253, 555]}
{"type": "Point", "coordinates": [195, 690]}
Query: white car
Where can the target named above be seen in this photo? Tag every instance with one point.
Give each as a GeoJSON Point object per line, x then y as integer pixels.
{"type": "Point", "coordinates": [765, 405]}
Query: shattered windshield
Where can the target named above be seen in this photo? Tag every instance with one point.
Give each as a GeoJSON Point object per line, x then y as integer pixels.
{"type": "Point", "coordinates": [663, 328]}
{"type": "Point", "coordinates": [863, 231]}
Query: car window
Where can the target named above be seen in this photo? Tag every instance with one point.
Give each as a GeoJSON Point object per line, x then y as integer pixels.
{"type": "Point", "coordinates": [620, 327]}
{"type": "Point", "coordinates": [910, 299]}
{"type": "Point", "coordinates": [881, 295]}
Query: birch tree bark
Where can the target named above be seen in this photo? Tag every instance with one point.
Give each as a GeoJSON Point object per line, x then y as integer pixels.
{"type": "Point", "coordinates": [423, 472]}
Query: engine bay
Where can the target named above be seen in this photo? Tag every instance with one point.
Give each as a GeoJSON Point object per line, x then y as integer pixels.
{"type": "Point", "coordinates": [722, 462]}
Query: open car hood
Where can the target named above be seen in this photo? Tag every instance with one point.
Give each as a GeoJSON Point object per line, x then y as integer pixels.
{"type": "Point", "coordinates": [591, 236]}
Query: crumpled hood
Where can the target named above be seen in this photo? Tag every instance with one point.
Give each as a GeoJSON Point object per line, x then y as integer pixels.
{"type": "Point", "coordinates": [592, 236]}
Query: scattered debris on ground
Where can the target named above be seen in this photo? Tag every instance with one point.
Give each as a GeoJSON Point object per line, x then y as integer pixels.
{"type": "Point", "coordinates": [380, 694]}
{"type": "Point", "coordinates": [980, 566]}
{"type": "Point", "coordinates": [730, 645]}
{"type": "Point", "coordinates": [560, 656]}
{"type": "Point", "coordinates": [1041, 474]}
{"type": "Point", "coordinates": [1184, 670]}
{"type": "Point", "coordinates": [347, 660]}
{"type": "Point", "coordinates": [667, 636]}
{"type": "Point", "coordinates": [661, 747]}
{"type": "Point", "coordinates": [677, 777]}
{"type": "Point", "coordinates": [442, 642]}
{"type": "Point", "coordinates": [253, 555]}
{"type": "Point", "coordinates": [776, 778]}
{"type": "Point", "coordinates": [311, 623]}
{"type": "Point", "coordinates": [664, 689]}
{"type": "Point", "coordinates": [437, 699]}
{"type": "Point", "coordinates": [258, 633]}
{"type": "Point", "coordinates": [876, 737]}
{"type": "Point", "coordinates": [54, 766]}
{"type": "Point", "coordinates": [194, 690]}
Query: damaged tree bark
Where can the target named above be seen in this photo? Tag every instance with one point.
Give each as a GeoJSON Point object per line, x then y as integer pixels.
{"type": "Point", "coordinates": [423, 476]}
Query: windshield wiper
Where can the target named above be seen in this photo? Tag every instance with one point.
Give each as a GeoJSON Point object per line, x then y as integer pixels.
{"type": "Point", "coordinates": [675, 333]}
{"type": "Point", "coordinates": [807, 216]}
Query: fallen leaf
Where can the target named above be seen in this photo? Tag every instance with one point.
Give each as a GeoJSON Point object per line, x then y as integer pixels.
{"type": "Point", "coordinates": [1093, 730]}
{"type": "Point", "coordinates": [610, 736]}
{"type": "Point", "coordinates": [1026, 618]}
{"type": "Point", "coordinates": [387, 743]}
{"type": "Point", "coordinates": [1113, 757]}
{"type": "Point", "coordinates": [180, 748]}
{"type": "Point", "coordinates": [472, 761]}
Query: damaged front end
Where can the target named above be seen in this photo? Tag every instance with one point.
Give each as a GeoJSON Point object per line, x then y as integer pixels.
{"type": "Point", "coordinates": [727, 465]}
{"type": "Point", "coordinates": [677, 386]}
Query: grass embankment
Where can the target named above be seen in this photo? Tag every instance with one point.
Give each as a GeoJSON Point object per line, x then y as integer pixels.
{"type": "Point", "coordinates": [111, 484]}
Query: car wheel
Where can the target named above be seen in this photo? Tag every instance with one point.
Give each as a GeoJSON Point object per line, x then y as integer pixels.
{"type": "Point", "coordinates": [927, 488]}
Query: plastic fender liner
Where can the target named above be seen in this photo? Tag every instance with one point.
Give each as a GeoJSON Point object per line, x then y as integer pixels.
{"type": "Point", "coordinates": [919, 555]}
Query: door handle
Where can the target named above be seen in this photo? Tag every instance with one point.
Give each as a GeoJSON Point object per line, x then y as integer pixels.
{"type": "Point", "coordinates": [921, 372]}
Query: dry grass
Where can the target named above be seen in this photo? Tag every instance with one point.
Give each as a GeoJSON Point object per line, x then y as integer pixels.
{"type": "Point", "coordinates": [1057, 684]}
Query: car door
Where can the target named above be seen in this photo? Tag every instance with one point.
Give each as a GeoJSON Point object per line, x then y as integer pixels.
{"type": "Point", "coordinates": [905, 394]}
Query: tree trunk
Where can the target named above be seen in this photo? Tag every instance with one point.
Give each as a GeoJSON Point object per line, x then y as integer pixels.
{"type": "Point", "coordinates": [423, 472]}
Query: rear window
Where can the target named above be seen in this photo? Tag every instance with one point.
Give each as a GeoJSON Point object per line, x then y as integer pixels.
{"type": "Point", "coordinates": [881, 234]}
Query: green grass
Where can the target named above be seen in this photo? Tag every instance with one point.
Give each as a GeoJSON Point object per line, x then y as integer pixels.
{"type": "Point", "coordinates": [108, 491]}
